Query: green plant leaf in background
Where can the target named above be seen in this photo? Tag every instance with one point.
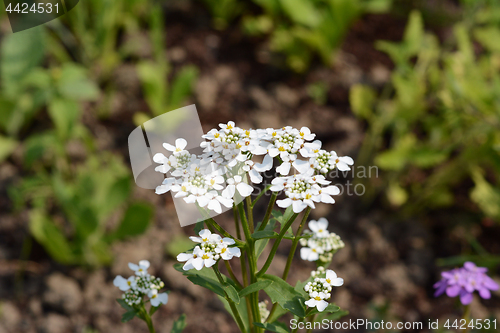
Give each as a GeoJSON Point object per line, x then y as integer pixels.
{"type": "Point", "coordinates": [285, 295]}
{"type": "Point", "coordinates": [135, 221]}
{"type": "Point", "coordinates": [179, 324]}
{"type": "Point", "coordinates": [20, 54]}
{"type": "Point", "coordinates": [7, 146]}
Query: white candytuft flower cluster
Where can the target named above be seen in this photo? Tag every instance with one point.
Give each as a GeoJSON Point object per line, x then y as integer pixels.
{"type": "Point", "coordinates": [212, 248]}
{"type": "Point", "coordinates": [141, 284]}
{"type": "Point", "coordinates": [320, 288]}
{"type": "Point", "coordinates": [322, 244]}
{"type": "Point", "coordinates": [218, 176]}
{"type": "Point", "coordinates": [264, 312]}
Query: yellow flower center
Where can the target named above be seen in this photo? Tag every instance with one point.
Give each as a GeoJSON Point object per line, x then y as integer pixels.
{"type": "Point", "coordinates": [216, 135]}
{"type": "Point", "coordinates": [154, 296]}
{"type": "Point", "coordinates": [212, 181]}
{"type": "Point", "coordinates": [247, 132]}
{"type": "Point", "coordinates": [308, 196]}
{"type": "Point", "coordinates": [205, 239]}
{"type": "Point", "coordinates": [317, 298]}
{"type": "Point", "coordinates": [337, 160]}
{"type": "Point", "coordinates": [129, 283]}
{"type": "Point", "coordinates": [281, 149]}
{"type": "Point", "coordinates": [320, 230]}
{"type": "Point", "coordinates": [301, 133]}
{"type": "Point", "coordinates": [223, 250]}
{"type": "Point", "coordinates": [178, 149]}
{"type": "Point", "coordinates": [328, 281]}
{"type": "Point", "coordinates": [229, 127]}
{"type": "Point", "coordinates": [238, 146]}
{"type": "Point", "coordinates": [205, 256]}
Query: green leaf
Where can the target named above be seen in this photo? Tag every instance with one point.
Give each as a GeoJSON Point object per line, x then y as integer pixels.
{"type": "Point", "coordinates": [135, 221]}
{"type": "Point", "coordinates": [485, 195]}
{"type": "Point", "coordinates": [242, 310]}
{"type": "Point", "coordinates": [285, 295]}
{"type": "Point", "coordinates": [199, 227]}
{"type": "Point", "coordinates": [264, 234]}
{"type": "Point", "coordinates": [362, 99]}
{"type": "Point", "coordinates": [180, 244]}
{"type": "Point", "coordinates": [254, 287]}
{"type": "Point", "coordinates": [7, 146]}
{"type": "Point", "coordinates": [302, 12]}
{"type": "Point", "coordinates": [207, 283]}
{"type": "Point", "coordinates": [124, 305]}
{"type": "Point", "coordinates": [414, 32]}
{"type": "Point", "coordinates": [50, 236]}
{"type": "Point", "coordinates": [333, 316]}
{"type": "Point", "coordinates": [261, 244]}
{"type": "Point", "coordinates": [329, 309]}
{"type": "Point", "coordinates": [73, 83]}
{"type": "Point", "coordinates": [182, 86]}
{"type": "Point", "coordinates": [64, 113]}
{"type": "Point", "coordinates": [127, 316]}
{"type": "Point", "coordinates": [273, 327]}
{"type": "Point", "coordinates": [179, 324]}
{"type": "Point", "coordinates": [232, 293]}
{"type": "Point", "coordinates": [20, 54]}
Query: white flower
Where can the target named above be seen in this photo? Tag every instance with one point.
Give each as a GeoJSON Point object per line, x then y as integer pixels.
{"type": "Point", "coordinates": [205, 237]}
{"type": "Point", "coordinates": [227, 253]}
{"type": "Point", "coordinates": [157, 299]}
{"type": "Point", "coordinates": [317, 300]}
{"type": "Point", "coordinates": [124, 284]}
{"type": "Point", "coordinates": [254, 169]}
{"type": "Point", "coordinates": [197, 260]}
{"type": "Point", "coordinates": [165, 186]}
{"type": "Point", "coordinates": [215, 181]}
{"type": "Point", "coordinates": [180, 144]}
{"type": "Point", "coordinates": [141, 269]}
{"type": "Point", "coordinates": [312, 252]}
{"type": "Point", "coordinates": [332, 279]}
{"type": "Point", "coordinates": [236, 183]}
{"type": "Point", "coordinates": [166, 162]}
{"type": "Point", "coordinates": [305, 134]}
{"type": "Point", "coordinates": [343, 162]}
{"type": "Point", "coordinates": [320, 227]}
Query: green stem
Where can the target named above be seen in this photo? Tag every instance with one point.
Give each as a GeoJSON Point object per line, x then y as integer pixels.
{"type": "Point", "coordinates": [308, 311]}
{"type": "Point", "coordinates": [295, 242]}
{"type": "Point", "coordinates": [236, 314]}
{"type": "Point", "coordinates": [250, 213]}
{"type": "Point", "coordinates": [466, 316]}
{"type": "Point", "coordinates": [254, 300]}
{"type": "Point", "coordinates": [269, 210]}
{"type": "Point", "coordinates": [260, 195]}
{"type": "Point", "coordinates": [147, 318]}
{"type": "Point", "coordinates": [291, 254]}
{"type": "Point", "coordinates": [277, 242]}
{"type": "Point", "coordinates": [231, 274]}
{"type": "Point", "coordinates": [311, 320]}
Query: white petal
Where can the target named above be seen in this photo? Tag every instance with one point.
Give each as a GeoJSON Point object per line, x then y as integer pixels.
{"type": "Point", "coordinates": [168, 147]}
{"type": "Point", "coordinates": [132, 266]}
{"type": "Point", "coordinates": [298, 206]}
{"type": "Point", "coordinates": [266, 164]}
{"type": "Point", "coordinates": [284, 168]}
{"type": "Point", "coordinates": [304, 253]}
{"type": "Point", "coordinates": [202, 201]}
{"type": "Point", "coordinates": [209, 262]}
{"type": "Point", "coordinates": [255, 177]}
{"type": "Point", "coordinates": [163, 298]}
{"type": "Point", "coordinates": [215, 206]}
{"type": "Point", "coordinates": [321, 305]}
{"type": "Point", "coordinates": [197, 263]}
{"type": "Point", "coordinates": [159, 158]}
{"type": "Point", "coordinates": [180, 143]}
{"type": "Point", "coordinates": [205, 233]}
{"type": "Point", "coordinates": [144, 264]}
{"type": "Point", "coordinates": [244, 189]}
{"type": "Point", "coordinates": [284, 203]}
{"type": "Point", "coordinates": [184, 257]}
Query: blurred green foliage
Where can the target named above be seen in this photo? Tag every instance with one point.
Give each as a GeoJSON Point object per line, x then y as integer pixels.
{"type": "Point", "coordinates": [436, 127]}
{"type": "Point", "coordinates": [79, 199]}
{"type": "Point", "coordinates": [298, 29]}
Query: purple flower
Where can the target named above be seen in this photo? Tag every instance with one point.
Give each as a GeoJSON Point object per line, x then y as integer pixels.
{"type": "Point", "coordinates": [464, 281]}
